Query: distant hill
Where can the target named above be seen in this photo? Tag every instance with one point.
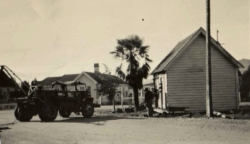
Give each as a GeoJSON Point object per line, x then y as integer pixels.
{"type": "Point", "coordinates": [245, 63]}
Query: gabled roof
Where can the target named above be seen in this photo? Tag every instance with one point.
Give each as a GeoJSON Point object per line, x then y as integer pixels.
{"type": "Point", "coordinates": [68, 83]}
{"type": "Point", "coordinates": [49, 80]}
{"type": "Point", "coordinates": [100, 78]}
{"type": "Point", "coordinates": [245, 63]}
{"type": "Point", "coordinates": [114, 79]}
{"type": "Point", "coordinates": [94, 76]}
{"type": "Point", "coordinates": [68, 77]}
{"type": "Point", "coordinates": [184, 44]}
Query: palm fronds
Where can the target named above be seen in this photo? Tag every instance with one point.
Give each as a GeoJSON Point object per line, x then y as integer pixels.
{"type": "Point", "coordinates": [132, 50]}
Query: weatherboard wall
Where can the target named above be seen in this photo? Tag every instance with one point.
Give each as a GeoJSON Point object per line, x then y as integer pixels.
{"type": "Point", "coordinates": [186, 79]}
{"type": "Point", "coordinates": [224, 82]}
{"type": "Point", "coordinates": [89, 83]}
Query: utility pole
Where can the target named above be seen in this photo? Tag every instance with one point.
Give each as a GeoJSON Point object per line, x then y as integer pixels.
{"type": "Point", "coordinates": [209, 111]}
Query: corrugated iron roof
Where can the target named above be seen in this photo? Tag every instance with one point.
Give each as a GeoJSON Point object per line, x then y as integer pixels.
{"type": "Point", "coordinates": [98, 77]}
{"type": "Point", "coordinates": [49, 80]}
{"type": "Point", "coordinates": [94, 76]}
{"type": "Point", "coordinates": [114, 79]}
{"type": "Point", "coordinates": [172, 53]}
{"type": "Point", "coordinates": [68, 77]}
{"type": "Point", "coordinates": [185, 43]}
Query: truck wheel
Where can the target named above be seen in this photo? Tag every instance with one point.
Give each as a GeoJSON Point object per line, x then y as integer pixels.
{"type": "Point", "coordinates": [16, 113]}
{"type": "Point", "coordinates": [65, 113]}
{"type": "Point", "coordinates": [48, 112]}
{"type": "Point", "coordinates": [24, 115]}
{"type": "Point", "coordinates": [41, 116]}
{"type": "Point", "coordinates": [88, 110]}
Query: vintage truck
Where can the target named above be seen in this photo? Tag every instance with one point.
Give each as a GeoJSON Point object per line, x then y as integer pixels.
{"type": "Point", "coordinates": [47, 103]}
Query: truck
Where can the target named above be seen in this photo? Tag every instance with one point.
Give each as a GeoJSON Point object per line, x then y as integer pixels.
{"type": "Point", "coordinates": [48, 103]}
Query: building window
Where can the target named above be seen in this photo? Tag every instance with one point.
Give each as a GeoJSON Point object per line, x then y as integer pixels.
{"type": "Point", "coordinates": [82, 88]}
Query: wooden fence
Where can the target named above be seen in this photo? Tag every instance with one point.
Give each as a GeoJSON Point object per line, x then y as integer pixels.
{"type": "Point", "coordinates": [120, 100]}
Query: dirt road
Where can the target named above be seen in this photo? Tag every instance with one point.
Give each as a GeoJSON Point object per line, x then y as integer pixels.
{"type": "Point", "coordinates": [124, 129]}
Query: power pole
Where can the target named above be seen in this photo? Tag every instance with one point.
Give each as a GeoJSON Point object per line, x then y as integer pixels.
{"type": "Point", "coordinates": [209, 111]}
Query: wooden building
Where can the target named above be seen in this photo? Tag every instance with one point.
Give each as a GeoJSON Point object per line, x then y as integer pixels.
{"type": "Point", "coordinates": [183, 76]}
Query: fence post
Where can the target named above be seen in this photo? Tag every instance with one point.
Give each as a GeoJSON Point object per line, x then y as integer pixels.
{"type": "Point", "coordinates": [122, 100]}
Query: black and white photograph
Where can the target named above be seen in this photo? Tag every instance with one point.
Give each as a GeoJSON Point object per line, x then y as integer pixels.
{"type": "Point", "coordinates": [124, 71]}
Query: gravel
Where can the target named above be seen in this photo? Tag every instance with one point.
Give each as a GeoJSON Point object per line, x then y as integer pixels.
{"type": "Point", "coordinates": [125, 128]}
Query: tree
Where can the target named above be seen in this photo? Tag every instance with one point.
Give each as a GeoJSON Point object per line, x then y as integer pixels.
{"type": "Point", "coordinates": [109, 89]}
{"type": "Point", "coordinates": [107, 70]}
{"type": "Point", "coordinates": [245, 84]}
{"type": "Point", "coordinates": [131, 50]}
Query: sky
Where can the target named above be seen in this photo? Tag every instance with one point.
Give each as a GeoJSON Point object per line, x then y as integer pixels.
{"type": "Point", "coordinates": [44, 38]}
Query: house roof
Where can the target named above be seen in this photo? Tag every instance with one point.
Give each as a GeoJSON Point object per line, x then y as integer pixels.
{"type": "Point", "coordinates": [245, 63]}
{"type": "Point", "coordinates": [49, 80]}
{"type": "Point", "coordinates": [185, 43]}
{"type": "Point", "coordinates": [94, 76]}
{"type": "Point", "coordinates": [98, 77]}
{"type": "Point", "coordinates": [114, 79]}
{"type": "Point", "coordinates": [68, 77]}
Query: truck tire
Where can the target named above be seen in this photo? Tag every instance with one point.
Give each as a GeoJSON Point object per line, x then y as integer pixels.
{"type": "Point", "coordinates": [65, 113]}
{"type": "Point", "coordinates": [88, 110]}
{"type": "Point", "coordinates": [24, 115]}
{"type": "Point", "coordinates": [41, 116]}
{"type": "Point", "coordinates": [48, 112]}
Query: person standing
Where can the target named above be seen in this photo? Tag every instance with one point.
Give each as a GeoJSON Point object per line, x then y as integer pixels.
{"type": "Point", "coordinates": [148, 101]}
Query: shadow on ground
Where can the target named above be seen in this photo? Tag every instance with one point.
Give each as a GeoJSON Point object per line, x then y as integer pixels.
{"type": "Point", "coordinates": [97, 120]}
{"type": "Point", "coordinates": [4, 128]}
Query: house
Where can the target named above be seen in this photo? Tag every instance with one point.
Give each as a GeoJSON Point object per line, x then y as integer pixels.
{"type": "Point", "coordinates": [93, 81]}
{"type": "Point", "coordinates": [182, 74]}
{"type": "Point", "coordinates": [147, 84]}
{"type": "Point", "coordinates": [47, 82]}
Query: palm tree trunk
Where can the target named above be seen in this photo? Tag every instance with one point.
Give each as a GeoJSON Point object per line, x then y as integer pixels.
{"type": "Point", "coordinates": [135, 89]}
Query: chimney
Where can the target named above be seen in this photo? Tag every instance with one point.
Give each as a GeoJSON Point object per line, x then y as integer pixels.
{"type": "Point", "coordinates": [96, 67]}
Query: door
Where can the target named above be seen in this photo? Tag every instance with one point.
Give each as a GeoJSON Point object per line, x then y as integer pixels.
{"type": "Point", "coordinates": [162, 81]}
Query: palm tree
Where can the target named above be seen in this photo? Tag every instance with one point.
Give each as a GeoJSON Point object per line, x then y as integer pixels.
{"type": "Point", "coordinates": [131, 50]}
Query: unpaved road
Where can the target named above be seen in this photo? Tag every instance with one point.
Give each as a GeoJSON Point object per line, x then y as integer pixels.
{"type": "Point", "coordinates": [124, 129]}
